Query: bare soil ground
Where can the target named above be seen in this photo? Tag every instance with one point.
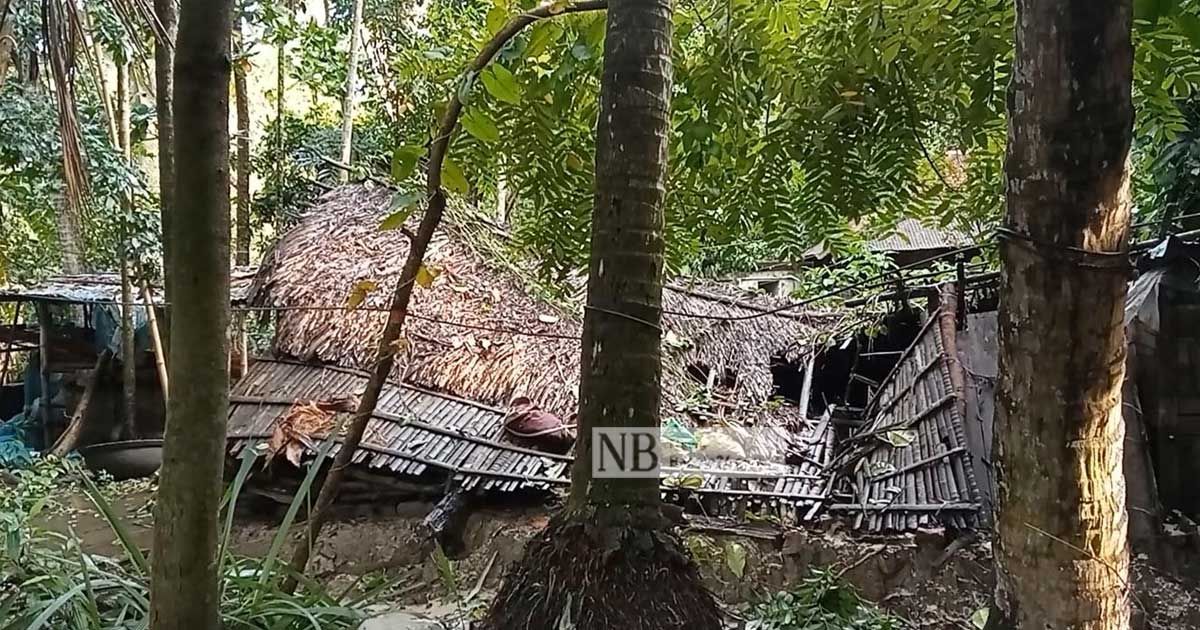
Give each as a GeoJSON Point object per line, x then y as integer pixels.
{"type": "Point", "coordinates": [928, 579]}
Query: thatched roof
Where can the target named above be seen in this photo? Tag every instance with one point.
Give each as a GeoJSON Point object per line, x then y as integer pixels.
{"type": "Point", "coordinates": [337, 245]}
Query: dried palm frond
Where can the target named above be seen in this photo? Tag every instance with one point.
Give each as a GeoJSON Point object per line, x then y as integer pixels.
{"type": "Point", "coordinates": [303, 425]}
{"type": "Point", "coordinates": [479, 331]}
{"type": "Point", "coordinates": [58, 28]}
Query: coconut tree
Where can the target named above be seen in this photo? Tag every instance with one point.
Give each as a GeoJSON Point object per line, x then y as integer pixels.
{"type": "Point", "coordinates": [1061, 550]}
{"type": "Point", "coordinates": [164, 63]}
{"type": "Point", "coordinates": [609, 559]}
{"type": "Point", "coordinates": [184, 581]}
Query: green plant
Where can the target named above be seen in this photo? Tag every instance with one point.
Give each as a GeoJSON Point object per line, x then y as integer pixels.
{"type": "Point", "coordinates": [48, 581]}
{"type": "Point", "coordinates": [820, 601]}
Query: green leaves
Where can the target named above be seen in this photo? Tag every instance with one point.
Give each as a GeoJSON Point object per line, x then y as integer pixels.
{"type": "Point", "coordinates": [543, 35]}
{"type": "Point", "coordinates": [453, 178]}
{"type": "Point", "coordinates": [480, 125]}
{"type": "Point", "coordinates": [404, 161]}
{"type": "Point", "coordinates": [501, 84]}
{"type": "Point", "coordinates": [1152, 10]}
{"type": "Point", "coordinates": [402, 207]}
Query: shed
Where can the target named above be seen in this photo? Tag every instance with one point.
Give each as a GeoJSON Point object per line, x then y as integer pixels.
{"type": "Point", "coordinates": [62, 325]}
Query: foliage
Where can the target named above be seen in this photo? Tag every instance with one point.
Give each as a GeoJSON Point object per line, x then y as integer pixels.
{"type": "Point", "coordinates": [1173, 187]}
{"type": "Point", "coordinates": [48, 581]}
{"type": "Point", "coordinates": [820, 601]}
{"type": "Point", "coordinates": [294, 174]}
{"type": "Point", "coordinates": [860, 266]}
{"type": "Point", "coordinates": [31, 188]}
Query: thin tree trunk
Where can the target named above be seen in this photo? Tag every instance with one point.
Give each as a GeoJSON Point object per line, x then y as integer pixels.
{"type": "Point", "coordinates": [1061, 550]}
{"type": "Point", "coordinates": [280, 110]}
{"type": "Point", "coordinates": [7, 40]}
{"type": "Point", "coordinates": [351, 81]}
{"type": "Point", "coordinates": [185, 592]}
{"type": "Point", "coordinates": [128, 342]}
{"type": "Point", "coordinates": [611, 556]}
{"type": "Point", "coordinates": [398, 310]}
{"type": "Point", "coordinates": [164, 62]}
{"type": "Point", "coordinates": [242, 248]}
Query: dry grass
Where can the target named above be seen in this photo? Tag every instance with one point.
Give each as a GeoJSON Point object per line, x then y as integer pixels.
{"type": "Point", "coordinates": [338, 245]}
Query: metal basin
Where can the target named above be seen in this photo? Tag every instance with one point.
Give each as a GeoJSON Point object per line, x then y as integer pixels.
{"type": "Point", "coordinates": [130, 459]}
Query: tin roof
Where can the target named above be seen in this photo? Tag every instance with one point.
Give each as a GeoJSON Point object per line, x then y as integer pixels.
{"type": "Point", "coordinates": [105, 288]}
{"type": "Point", "coordinates": [912, 235]}
{"type": "Point", "coordinates": [420, 433]}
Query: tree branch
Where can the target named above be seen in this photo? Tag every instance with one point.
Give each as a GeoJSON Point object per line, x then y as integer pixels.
{"type": "Point", "coordinates": [385, 356]}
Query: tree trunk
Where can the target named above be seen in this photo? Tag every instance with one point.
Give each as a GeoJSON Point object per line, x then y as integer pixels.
{"type": "Point", "coordinates": [1061, 550]}
{"type": "Point", "coordinates": [351, 80]}
{"type": "Point", "coordinates": [280, 110]}
{"type": "Point", "coordinates": [128, 342]}
{"type": "Point", "coordinates": [164, 62]}
{"type": "Point", "coordinates": [242, 248]}
{"type": "Point", "coordinates": [184, 583]}
{"type": "Point", "coordinates": [7, 39]}
{"type": "Point", "coordinates": [611, 558]}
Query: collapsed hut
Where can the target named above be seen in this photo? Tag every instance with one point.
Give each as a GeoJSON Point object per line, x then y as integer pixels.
{"type": "Point", "coordinates": [483, 344]}
{"type": "Point", "coordinates": [877, 413]}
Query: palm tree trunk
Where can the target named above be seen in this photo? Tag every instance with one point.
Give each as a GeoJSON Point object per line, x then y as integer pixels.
{"type": "Point", "coordinates": [1061, 549]}
{"type": "Point", "coordinates": [611, 558]}
{"type": "Point", "coordinates": [351, 80]}
{"type": "Point", "coordinates": [164, 63]}
{"type": "Point", "coordinates": [184, 582]}
{"type": "Point", "coordinates": [242, 248]}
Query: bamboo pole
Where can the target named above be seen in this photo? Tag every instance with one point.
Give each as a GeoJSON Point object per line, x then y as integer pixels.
{"type": "Point", "coordinates": [43, 315]}
{"type": "Point", "coordinates": [8, 343]}
{"type": "Point", "coordinates": [160, 357]}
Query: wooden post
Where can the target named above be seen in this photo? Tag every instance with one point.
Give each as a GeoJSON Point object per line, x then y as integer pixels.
{"type": "Point", "coordinates": [160, 357]}
{"type": "Point", "coordinates": [806, 388]}
{"type": "Point", "coordinates": [8, 343]}
{"type": "Point", "coordinates": [239, 360]}
{"type": "Point", "coordinates": [43, 315]}
{"type": "Point", "coordinates": [70, 438]}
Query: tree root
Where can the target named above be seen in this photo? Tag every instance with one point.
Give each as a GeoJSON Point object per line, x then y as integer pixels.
{"type": "Point", "coordinates": [603, 568]}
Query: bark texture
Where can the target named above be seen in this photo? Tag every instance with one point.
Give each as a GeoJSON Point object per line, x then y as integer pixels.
{"type": "Point", "coordinates": [1061, 548]}
{"type": "Point", "coordinates": [621, 368]}
{"type": "Point", "coordinates": [611, 560]}
{"type": "Point", "coordinates": [351, 81]}
{"type": "Point", "coordinates": [7, 40]}
{"type": "Point", "coordinates": [241, 96]}
{"type": "Point", "coordinates": [164, 63]}
{"type": "Point", "coordinates": [128, 342]}
{"type": "Point", "coordinates": [184, 584]}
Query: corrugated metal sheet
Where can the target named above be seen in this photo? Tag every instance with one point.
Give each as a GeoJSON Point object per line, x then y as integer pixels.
{"type": "Point", "coordinates": [915, 470]}
{"type": "Point", "coordinates": [912, 235]}
{"type": "Point", "coordinates": [420, 433]}
{"type": "Point", "coordinates": [105, 288]}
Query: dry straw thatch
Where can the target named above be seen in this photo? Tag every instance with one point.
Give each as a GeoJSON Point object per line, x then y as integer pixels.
{"type": "Point", "coordinates": [338, 245]}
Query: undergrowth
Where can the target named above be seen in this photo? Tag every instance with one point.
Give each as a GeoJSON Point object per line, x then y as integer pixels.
{"type": "Point", "coordinates": [48, 582]}
{"type": "Point", "coordinates": [822, 601]}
